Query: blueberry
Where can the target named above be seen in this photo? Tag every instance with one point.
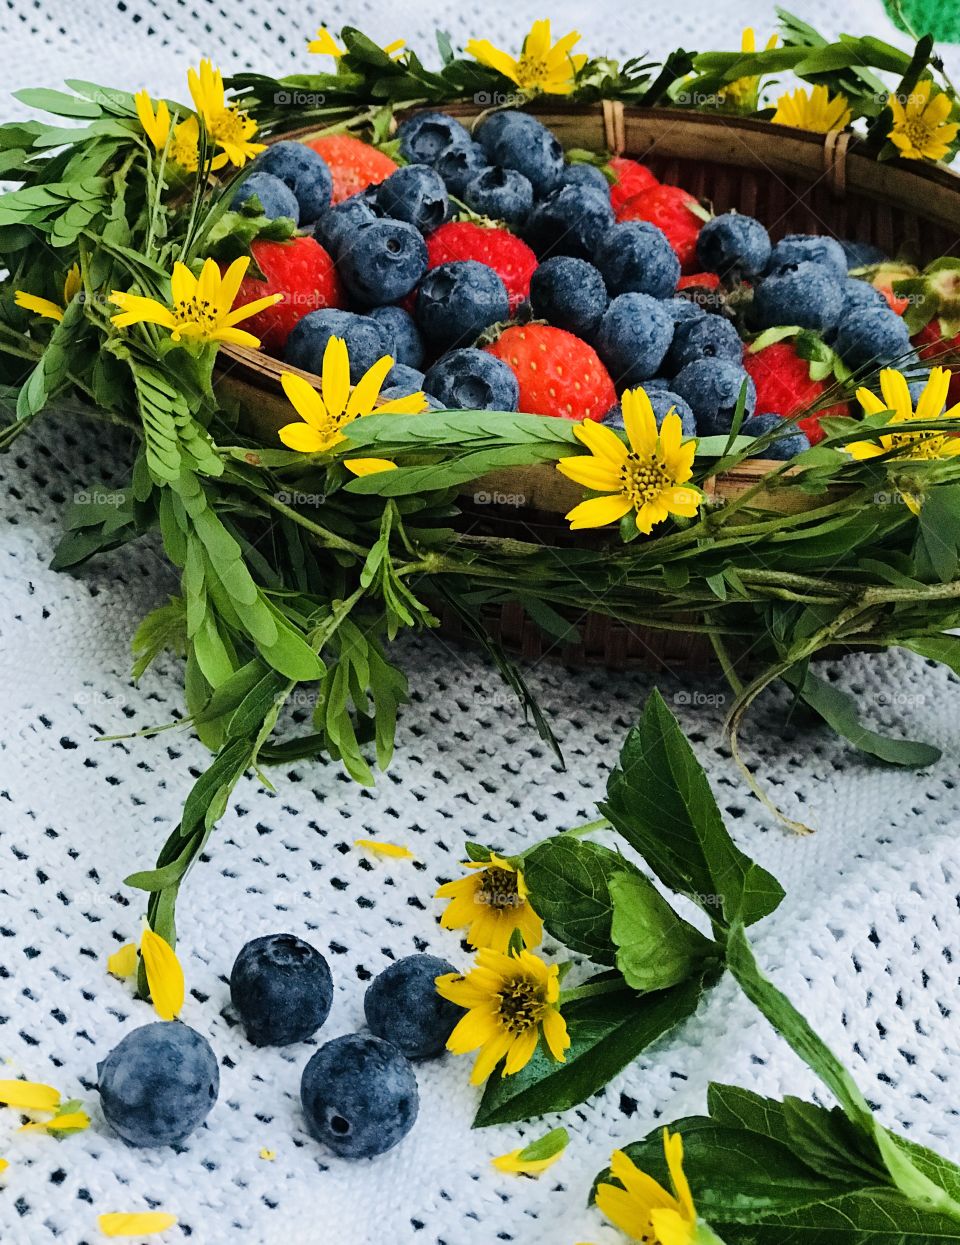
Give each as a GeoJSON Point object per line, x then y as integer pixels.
{"type": "Point", "coordinates": [276, 199]}
{"type": "Point", "coordinates": [402, 1006]}
{"type": "Point", "coordinates": [874, 337]}
{"type": "Point", "coordinates": [415, 194]}
{"type": "Point", "coordinates": [635, 257]}
{"type": "Point", "coordinates": [633, 337]}
{"type": "Point", "coordinates": [862, 254]}
{"type": "Point", "coordinates": [732, 245]}
{"type": "Point", "coordinates": [403, 337]}
{"type": "Point", "coordinates": [335, 228]}
{"type": "Point", "coordinates": [457, 301]}
{"type": "Point", "coordinates": [703, 337]}
{"type": "Point", "coordinates": [797, 248]}
{"type": "Point", "coordinates": [518, 141]}
{"type": "Point", "coordinates": [711, 387]}
{"type": "Point", "coordinates": [425, 137]}
{"type": "Point", "coordinates": [860, 294]}
{"type": "Point", "coordinates": [158, 1084]}
{"type": "Point", "coordinates": [682, 310]}
{"type": "Point", "coordinates": [662, 401]}
{"type": "Point", "coordinates": [359, 1096]}
{"type": "Point", "coordinates": [382, 261]}
{"type": "Point", "coordinates": [402, 376]}
{"type": "Point", "coordinates": [282, 989]}
{"type": "Point", "coordinates": [472, 380]}
{"type": "Point", "coordinates": [365, 338]}
{"type": "Point", "coordinates": [503, 194]}
{"type": "Point", "coordinates": [304, 171]}
{"type": "Point", "coordinates": [459, 165]}
{"type": "Point", "coordinates": [568, 293]}
{"type": "Point", "coordinates": [803, 293]}
{"type": "Point", "coordinates": [784, 447]}
{"type": "Point", "coordinates": [585, 175]}
{"type": "Point", "coordinates": [571, 220]}
{"type": "Point", "coordinates": [405, 389]}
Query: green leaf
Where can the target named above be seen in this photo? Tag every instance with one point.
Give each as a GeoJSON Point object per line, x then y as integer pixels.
{"type": "Point", "coordinates": [607, 1032]}
{"type": "Point", "coordinates": [163, 629]}
{"type": "Point", "coordinates": [655, 948]}
{"type": "Point", "coordinates": [943, 648]}
{"type": "Point", "coordinates": [546, 1147]}
{"type": "Point", "coordinates": [659, 799]}
{"type": "Point", "coordinates": [59, 103]}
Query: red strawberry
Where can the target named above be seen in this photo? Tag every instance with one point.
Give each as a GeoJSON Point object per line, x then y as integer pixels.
{"type": "Point", "coordinates": [668, 207]}
{"type": "Point", "coordinates": [632, 179]}
{"type": "Point", "coordinates": [702, 280]}
{"type": "Point", "coordinates": [784, 385]}
{"type": "Point", "coordinates": [354, 165]}
{"type": "Point", "coordinates": [558, 373]}
{"type": "Point", "coordinates": [941, 351]}
{"type": "Point", "coordinates": [504, 252]}
{"type": "Point", "coordinates": [303, 272]}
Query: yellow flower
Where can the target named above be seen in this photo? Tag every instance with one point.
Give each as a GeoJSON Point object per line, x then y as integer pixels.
{"type": "Point", "coordinates": [540, 67]}
{"type": "Point", "coordinates": [641, 1208]}
{"type": "Point", "coordinates": [376, 848]}
{"type": "Point", "coordinates": [123, 963]}
{"type": "Point", "coordinates": [200, 306]}
{"type": "Point", "coordinates": [228, 126]}
{"type": "Point", "coordinates": [921, 130]}
{"type": "Point", "coordinates": [46, 307]}
{"type": "Point", "coordinates": [325, 45]}
{"type": "Point", "coordinates": [742, 92]}
{"type": "Point", "coordinates": [509, 1000]}
{"type": "Point", "coordinates": [145, 1223]}
{"type": "Point", "coordinates": [815, 111]}
{"type": "Point", "coordinates": [29, 1096]}
{"type": "Point", "coordinates": [490, 904]}
{"type": "Point", "coordinates": [535, 1158]}
{"type": "Point", "coordinates": [324, 415]}
{"type": "Point", "coordinates": [184, 143]}
{"type": "Point", "coordinates": [164, 974]}
{"type": "Point", "coordinates": [647, 476]}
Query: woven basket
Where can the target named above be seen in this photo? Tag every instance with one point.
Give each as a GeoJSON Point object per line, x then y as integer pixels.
{"type": "Point", "coordinates": [793, 181]}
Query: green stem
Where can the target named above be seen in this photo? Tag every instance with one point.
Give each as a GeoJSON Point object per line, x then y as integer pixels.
{"type": "Point", "coordinates": [591, 989]}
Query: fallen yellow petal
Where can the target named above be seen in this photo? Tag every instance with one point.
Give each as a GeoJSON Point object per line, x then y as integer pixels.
{"type": "Point", "coordinates": [268, 1155]}
{"type": "Point", "coordinates": [145, 1223]}
{"type": "Point", "coordinates": [29, 1096]}
{"type": "Point", "coordinates": [69, 1122]}
{"type": "Point", "coordinates": [164, 974]}
{"type": "Point", "coordinates": [385, 849]}
{"type": "Point", "coordinates": [3, 1165]}
{"type": "Point", "coordinates": [123, 963]}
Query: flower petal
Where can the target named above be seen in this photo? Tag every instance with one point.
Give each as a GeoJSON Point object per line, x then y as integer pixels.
{"type": "Point", "coordinates": [141, 1223]}
{"type": "Point", "coordinates": [164, 974]}
{"type": "Point", "coordinates": [377, 848]}
{"type": "Point", "coordinates": [335, 376]}
{"type": "Point", "coordinates": [123, 963]}
{"type": "Point", "coordinates": [29, 1096]}
{"type": "Point", "coordinates": [368, 466]}
{"type": "Point", "coordinates": [305, 400]}
{"type": "Point", "coordinates": [598, 511]}
{"type": "Point", "coordinates": [593, 473]}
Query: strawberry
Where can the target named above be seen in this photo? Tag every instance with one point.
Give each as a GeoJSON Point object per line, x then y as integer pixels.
{"type": "Point", "coordinates": [669, 208]}
{"type": "Point", "coordinates": [632, 179]}
{"type": "Point", "coordinates": [509, 257]}
{"type": "Point", "coordinates": [559, 374]}
{"type": "Point", "coordinates": [784, 385]}
{"type": "Point", "coordinates": [940, 350]}
{"type": "Point", "coordinates": [701, 280]}
{"type": "Point", "coordinates": [354, 165]}
{"type": "Point", "coordinates": [303, 272]}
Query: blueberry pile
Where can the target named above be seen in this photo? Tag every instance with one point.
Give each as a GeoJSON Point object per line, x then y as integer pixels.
{"type": "Point", "coordinates": [358, 1092]}
{"type": "Point", "coordinates": [614, 284]}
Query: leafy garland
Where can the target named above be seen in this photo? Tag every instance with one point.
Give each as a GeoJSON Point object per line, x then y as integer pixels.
{"type": "Point", "coordinates": [275, 594]}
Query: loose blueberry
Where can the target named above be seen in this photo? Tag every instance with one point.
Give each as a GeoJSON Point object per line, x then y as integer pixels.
{"type": "Point", "coordinates": [158, 1084]}
{"type": "Point", "coordinates": [711, 388]}
{"type": "Point", "coordinates": [803, 293]}
{"type": "Point", "coordinates": [459, 165]}
{"type": "Point", "coordinates": [635, 257]}
{"type": "Point", "coordinates": [732, 245]}
{"type": "Point", "coordinates": [571, 220]}
{"type": "Point", "coordinates": [383, 262]}
{"type": "Point", "coordinates": [788, 446]}
{"type": "Point", "coordinates": [663, 402]}
{"type": "Point", "coordinates": [797, 248]}
{"type": "Point", "coordinates": [519, 141]}
{"type": "Point", "coordinates": [404, 340]}
{"type": "Point", "coordinates": [569, 293]}
{"type": "Point", "coordinates": [425, 137]}
{"type": "Point", "coordinates": [415, 194]}
{"type": "Point", "coordinates": [457, 301]}
{"type": "Point", "coordinates": [633, 337]}
{"type": "Point", "coordinates": [402, 1006]}
{"type": "Point", "coordinates": [359, 1096]}
{"type": "Point", "coordinates": [703, 337]}
{"type": "Point", "coordinates": [472, 380]}
{"type": "Point", "coordinates": [585, 175]}
{"type": "Point", "coordinates": [872, 337]}
{"type": "Point", "coordinates": [365, 338]}
{"type": "Point", "coordinates": [274, 197]}
{"type": "Point", "coordinates": [402, 376]}
{"type": "Point", "coordinates": [334, 230]}
{"type": "Point", "coordinates": [281, 988]}
{"type": "Point", "coordinates": [304, 171]}
{"type": "Point", "coordinates": [502, 194]}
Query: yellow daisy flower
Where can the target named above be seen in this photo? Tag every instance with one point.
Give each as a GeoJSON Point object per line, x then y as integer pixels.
{"type": "Point", "coordinates": [46, 307]}
{"type": "Point", "coordinates": [491, 904]}
{"type": "Point", "coordinates": [184, 144]}
{"type": "Point", "coordinates": [325, 414]}
{"type": "Point", "coordinates": [643, 1210]}
{"type": "Point", "coordinates": [542, 67]}
{"type": "Point", "coordinates": [921, 130]}
{"type": "Point", "coordinates": [814, 110]}
{"type": "Point", "coordinates": [228, 126]}
{"type": "Point", "coordinates": [325, 45]}
{"type": "Point", "coordinates": [509, 1000]}
{"type": "Point", "coordinates": [647, 476]}
{"type": "Point", "coordinates": [200, 307]}
{"type": "Point", "coordinates": [743, 92]}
